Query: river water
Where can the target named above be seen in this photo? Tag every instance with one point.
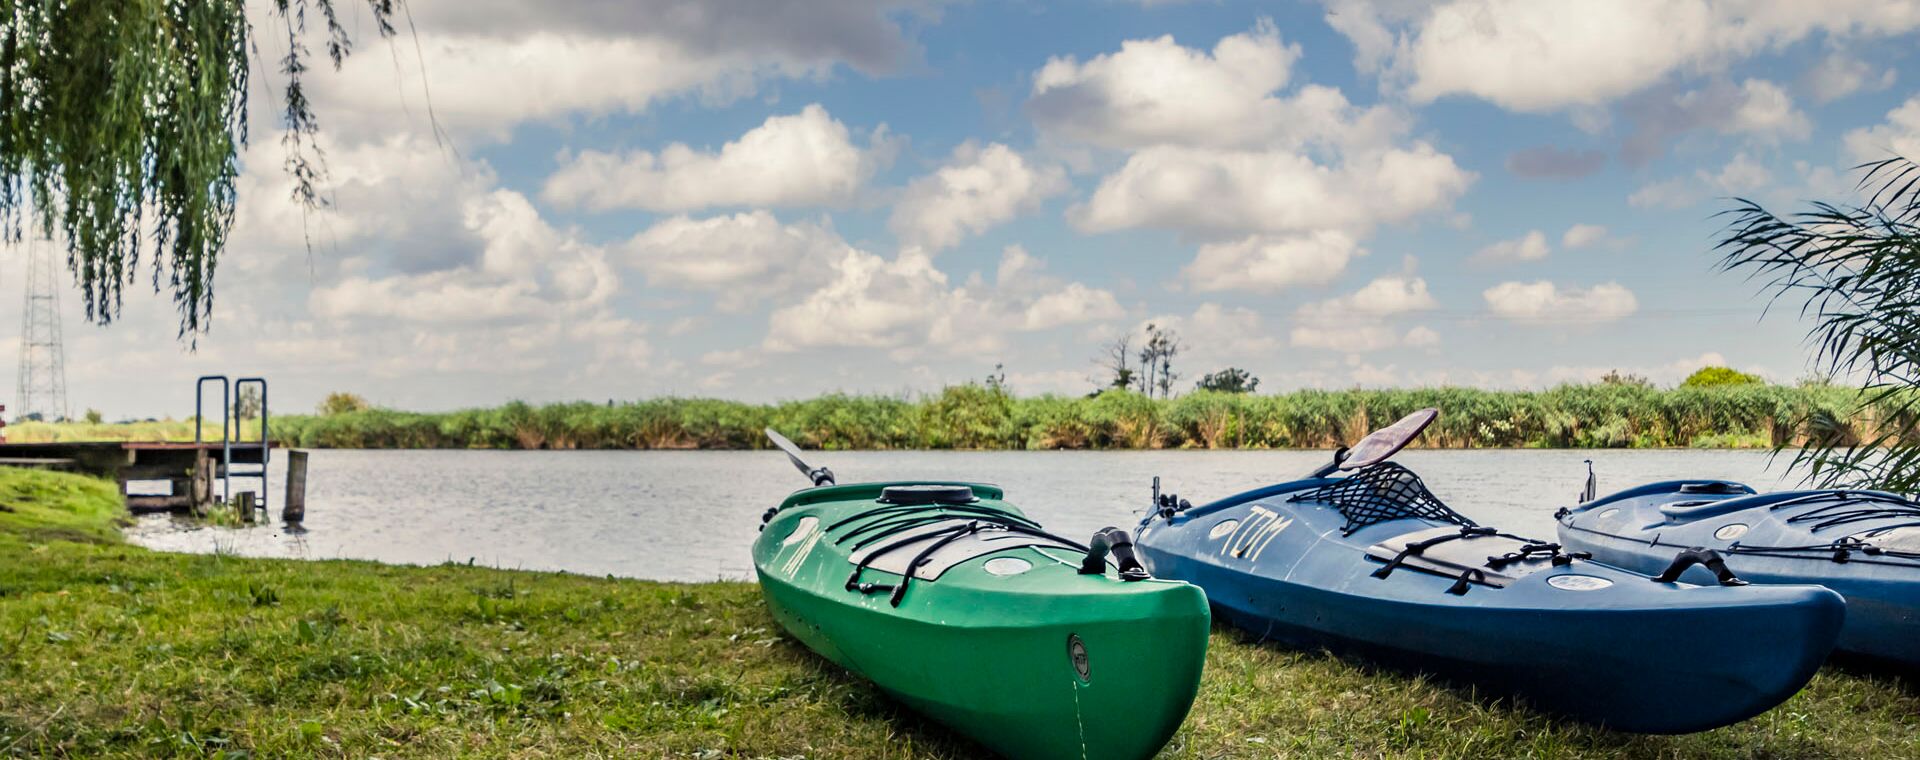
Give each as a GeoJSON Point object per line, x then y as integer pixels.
{"type": "Point", "coordinates": [690, 515]}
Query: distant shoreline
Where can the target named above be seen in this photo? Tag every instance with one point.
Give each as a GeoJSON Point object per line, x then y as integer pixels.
{"type": "Point", "coordinates": [985, 418]}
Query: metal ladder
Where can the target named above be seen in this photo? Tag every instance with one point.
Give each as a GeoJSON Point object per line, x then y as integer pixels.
{"type": "Point", "coordinates": [232, 437]}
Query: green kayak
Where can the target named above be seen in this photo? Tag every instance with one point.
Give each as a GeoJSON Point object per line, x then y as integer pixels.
{"type": "Point", "coordinates": [998, 633]}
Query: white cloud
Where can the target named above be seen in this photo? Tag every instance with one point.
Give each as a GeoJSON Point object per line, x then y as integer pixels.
{"type": "Point", "coordinates": [977, 189]}
{"type": "Point", "coordinates": [1269, 263]}
{"type": "Point", "coordinates": [524, 267]}
{"type": "Point", "coordinates": [1839, 75]}
{"type": "Point", "coordinates": [744, 259]}
{"type": "Point", "coordinates": [1230, 191]}
{"type": "Point", "coordinates": [1543, 301]}
{"type": "Point", "coordinates": [1583, 235]}
{"type": "Point", "coordinates": [1157, 92]}
{"type": "Point", "coordinates": [1350, 339]}
{"type": "Point", "coordinates": [1421, 337]}
{"type": "Point", "coordinates": [804, 159]}
{"type": "Point", "coordinates": [874, 303]}
{"type": "Point", "coordinates": [1672, 193]}
{"type": "Point", "coordinates": [1529, 247]}
{"type": "Point", "coordinates": [1384, 296]}
{"type": "Point", "coordinates": [1741, 174]}
{"type": "Point", "coordinates": [1899, 135]}
{"type": "Point", "coordinates": [1766, 109]}
{"type": "Point", "coordinates": [1216, 336]}
{"type": "Point", "coordinates": [1357, 322]}
{"type": "Point", "coordinates": [1536, 57]}
{"type": "Point", "coordinates": [1018, 269]}
{"type": "Point", "coordinates": [1279, 182]}
{"type": "Point", "coordinates": [907, 304]}
{"type": "Point", "coordinates": [495, 64]}
{"type": "Point", "coordinates": [1074, 304]}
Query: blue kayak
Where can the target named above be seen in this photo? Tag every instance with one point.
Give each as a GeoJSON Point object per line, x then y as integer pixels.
{"type": "Point", "coordinates": [1863, 544]}
{"type": "Point", "coordinates": [1369, 561]}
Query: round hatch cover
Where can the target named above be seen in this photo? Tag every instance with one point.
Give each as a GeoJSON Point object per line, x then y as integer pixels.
{"type": "Point", "coordinates": [1222, 528]}
{"type": "Point", "coordinates": [1077, 651]}
{"type": "Point", "coordinates": [1007, 566]}
{"type": "Point", "coordinates": [927, 494]}
{"type": "Point", "coordinates": [1730, 531]}
{"type": "Point", "coordinates": [1573, 582]}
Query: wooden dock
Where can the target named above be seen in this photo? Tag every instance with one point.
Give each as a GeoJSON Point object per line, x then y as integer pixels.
{"type": "Point", "coordinates": [193, 469]}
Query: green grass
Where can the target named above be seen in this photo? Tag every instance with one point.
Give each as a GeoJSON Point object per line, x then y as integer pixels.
{"type": "Point", "coordinates": [158, 430]}
{"type": "Point", "coordinates": [111, 650]}
{"type": "Point", "coordinates": [988, 417]}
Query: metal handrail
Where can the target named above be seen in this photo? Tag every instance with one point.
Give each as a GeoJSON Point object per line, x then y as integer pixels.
{"type": "Point", "coordinates": [266, 445]}
{"type": "Point", "coordinates": [226, 438]}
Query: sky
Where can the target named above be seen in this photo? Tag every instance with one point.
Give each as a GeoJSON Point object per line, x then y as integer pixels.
{"type": "Point", "coordinates": [758, 200]}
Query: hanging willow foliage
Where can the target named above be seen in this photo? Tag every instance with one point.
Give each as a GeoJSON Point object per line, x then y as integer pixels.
{"type": "Point", "coordinates": [121, 124]}
{"type": "Point", "coordinates": [1856, 270]}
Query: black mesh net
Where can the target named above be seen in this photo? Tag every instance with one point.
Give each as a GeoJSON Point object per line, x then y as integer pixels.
{"type": "Point", "coordinates": [1382, 492]}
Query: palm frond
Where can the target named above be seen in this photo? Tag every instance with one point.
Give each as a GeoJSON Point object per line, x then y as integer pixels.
{"type": "Point", "coordinates": [1855, 269]}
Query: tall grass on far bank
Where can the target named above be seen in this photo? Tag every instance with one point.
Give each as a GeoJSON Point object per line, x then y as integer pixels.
{"type": "Point", "coordinates": [981, 417]}
{"type": "Point", "coordinates": [35, 431]}
{"type": "Point", "coordinates": [972, 416]}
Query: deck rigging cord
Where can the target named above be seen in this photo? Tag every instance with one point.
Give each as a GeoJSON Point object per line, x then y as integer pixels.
{"type": "Point", "coordinates": [1847, 508]}
{"type": "Point", "coordinates": [1379, 493]}
{"type": "Point", "coordinates": [903, 524]}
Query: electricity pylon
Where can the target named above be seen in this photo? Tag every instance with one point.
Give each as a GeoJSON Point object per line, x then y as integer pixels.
{"type": "Point", "coordinates": [43, 366]}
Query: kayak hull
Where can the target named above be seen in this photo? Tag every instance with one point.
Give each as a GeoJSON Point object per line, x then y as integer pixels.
{"type": "Point", "coordinates": [993, 657]}
{"type": "Point", "coordinates": [1630, 531]}
{"type": "Point", "coordinates": [1605, 647]}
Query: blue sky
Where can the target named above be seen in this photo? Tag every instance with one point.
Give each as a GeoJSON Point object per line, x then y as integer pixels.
{"type": "Point", "coordinates": [775, 200]}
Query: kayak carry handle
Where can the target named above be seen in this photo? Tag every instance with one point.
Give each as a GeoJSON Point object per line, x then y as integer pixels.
{"type": "Point", "coordinates": [1113, 541]}
{"type": "Point", "coordinates": [1700, 555]}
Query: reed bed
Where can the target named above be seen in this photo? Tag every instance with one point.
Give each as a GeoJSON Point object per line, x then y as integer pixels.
{"type": "Point", "coordinates": [983, 417]}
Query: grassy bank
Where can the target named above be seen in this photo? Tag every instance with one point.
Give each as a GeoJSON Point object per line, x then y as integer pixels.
{"type": "Point", "coordinates": [108, 649]}
{"type": "Point", "coordinates": [980, 417]}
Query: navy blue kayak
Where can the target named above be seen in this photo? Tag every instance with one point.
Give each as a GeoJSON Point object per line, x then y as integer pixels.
{"type": "Point", "coordinates": [1863, 544]}
{"type": "Point", "coordinates": [1374, 564]}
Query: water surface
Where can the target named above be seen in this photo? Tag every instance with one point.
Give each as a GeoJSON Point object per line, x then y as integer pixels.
{"type": "Point", "coordinates": [690, 515]}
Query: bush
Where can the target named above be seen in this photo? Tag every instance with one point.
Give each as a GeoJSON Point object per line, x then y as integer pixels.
{"type": "Point", "coordinates": [343, 403]}
{"type": "Point", "coordinates": [1712, 377]}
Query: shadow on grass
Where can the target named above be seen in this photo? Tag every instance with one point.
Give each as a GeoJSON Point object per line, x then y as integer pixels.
{"type": "Point", "coordinates": [862, 701]}
{"type": "Point", "coordinates": [1904, 676]}
{"type": "Point", "coordinates": [1479, 696]}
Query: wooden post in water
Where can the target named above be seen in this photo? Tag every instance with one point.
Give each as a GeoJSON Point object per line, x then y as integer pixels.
{"type": "Point", "coordinates": [202, 488]}
{"type": "Point", "coordinates": [295, 507]}
{"type": "Point", "coordinates": [243, 503]}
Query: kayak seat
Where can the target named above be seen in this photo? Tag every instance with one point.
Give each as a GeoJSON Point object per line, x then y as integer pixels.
{"type": "Point", "coordinates": [1471, 555]}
